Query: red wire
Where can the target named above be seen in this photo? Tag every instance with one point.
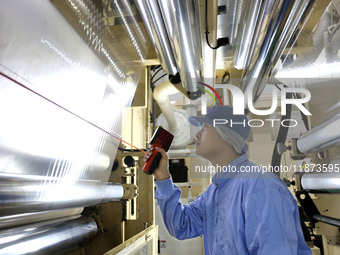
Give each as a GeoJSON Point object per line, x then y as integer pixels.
{"type": "Point", "coordinates": [109, 133]}
{"type": "Point", "coordinates": [212, 90]}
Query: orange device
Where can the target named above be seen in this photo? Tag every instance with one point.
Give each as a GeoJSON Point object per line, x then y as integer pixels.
{"type": "Point", "coordinates": [163, 139]}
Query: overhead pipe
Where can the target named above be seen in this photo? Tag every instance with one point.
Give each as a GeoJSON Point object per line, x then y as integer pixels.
{"type": "Point", "coordinates": [237, 7]}
{"type": "Point", "coordinates": [249, 20]}
{"type": "Point", "coordinates": [48, 237]}
{"type": "Point", "coordinates": [182, 25]}
{"type": "Point", "coordinates": [303, 61]}
{"type": "Point", "coordinates": [279, 19]}
{"type": "Point", "coordinates": [321, 137]}
{"type": "Point", "coordinates": [263, 21]}
{"type": "Point", "coordinates": [154, 24]}
{"type": "Point", "coordinates": [27, 197]}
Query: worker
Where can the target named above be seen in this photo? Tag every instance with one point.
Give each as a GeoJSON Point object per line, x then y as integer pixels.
{"type": "Point", "coordinates": [240, 212]}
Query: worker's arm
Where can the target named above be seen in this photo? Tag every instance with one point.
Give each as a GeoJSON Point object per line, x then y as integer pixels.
{"type": "Point", "coordinates": [272, 224]}
{"type": "Point", "coordinates": [182, 221]}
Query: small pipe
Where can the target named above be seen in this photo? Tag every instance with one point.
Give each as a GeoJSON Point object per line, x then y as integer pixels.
{"type": "Point", "coordinates": [328, 220]}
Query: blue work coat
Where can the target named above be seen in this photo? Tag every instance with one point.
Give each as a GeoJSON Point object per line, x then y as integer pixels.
{"type": "Point", "coordinates": [239, 213]}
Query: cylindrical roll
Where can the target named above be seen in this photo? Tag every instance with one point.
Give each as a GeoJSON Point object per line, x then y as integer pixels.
{"type": "Point", "coordinates": [25, 218]}
{"type": "Point", "coordinates": [47, 237]}
{"type": "Point", "coordinates": [26, 197]}
{"type": "Point", "coordinates": [321, 182]}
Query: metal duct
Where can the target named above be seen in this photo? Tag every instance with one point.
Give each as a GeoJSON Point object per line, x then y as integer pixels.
{"type": "Point", "coordinates": [229, 19]}
{"type": "Point", "coordinates": [321, 137]}
{"type": "Point", "coordinates": [321, 182]}
{"type": "Point", "coordinates": [161, 95]}
{"type": "Point", "coordinates": [25, 218]}
{"type": "Point", "coordinates": [246, 33]}
{"type": "Point", "coordinates": [47, 237]}
{"type": "Point", "coordinates": [153, 21]}
{"type": "Point", "coordinates": [279, 20]}
{"type": "Point", "coordinates": [26, 197]}
{"type": "Point", "coordinates": [238, 12]}
{"type": "Point", "coordinates": [182, 24]}
{"type": "Point", "coordinates": [309, 58]}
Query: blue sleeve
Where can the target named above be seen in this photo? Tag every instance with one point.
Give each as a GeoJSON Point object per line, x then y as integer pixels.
{"type": "Point", "coordinates": [272, 224]}
{"type": "Point", "coordinates": [182, 221]}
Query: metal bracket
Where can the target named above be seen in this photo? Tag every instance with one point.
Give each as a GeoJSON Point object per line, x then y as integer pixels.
{"type": "Point", "coordinates": [307, 205]}
{"type": "Point", "coordinates": [294, 151]}
{"type": "Point", "coordinates": [130, 191]}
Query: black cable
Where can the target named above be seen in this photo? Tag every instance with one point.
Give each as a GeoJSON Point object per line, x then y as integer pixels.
{"type": "Point", "coordinates": [220, 41]}
{"type": "Point", "coordinates": [304, 117]}
{"type": "Point", "coordinates": [223, 77]}
{"type": "Point", "coordinates": [206, 26]}
{"type": "Point", "coordinates": [277, 87]}
{"type": "Point", "coordinates": [207, 39]}
{"type": "Point", "coordinates": [281, 137]}
{"type": "Point", "coordinates": [153, 116]}
{"type": "Point", "coordinates": [153, 113]}
{"type": "Point", "coordinates": [153, 68]}
{"type": "Point", "coordinates": [154, 75]}
{"type": "Point", "coordinates": [129, 150]}
{"type": "Point", "coordinates": [159, 78]}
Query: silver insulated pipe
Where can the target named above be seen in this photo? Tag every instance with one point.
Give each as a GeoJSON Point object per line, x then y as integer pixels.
{"type": "Point", "coordinates": [246, 33]}
{"type": "Point", "coordinates": [277, 22]}
{"type": "Point", "coordinates": [182, 24]}
{"type": "Point", "coordinates": [153, 21]}
{"type": "Point", "coordinates": [48, 237]}
{"type": "Point", "coordinates": [321, 137]}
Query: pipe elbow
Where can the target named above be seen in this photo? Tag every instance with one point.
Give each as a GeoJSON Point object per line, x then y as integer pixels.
{"type": "Point", "coordinates": [163, 90]}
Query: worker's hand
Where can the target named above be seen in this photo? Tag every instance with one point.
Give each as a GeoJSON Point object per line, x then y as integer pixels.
{"type": "Point", "coordinates": [162, 172]}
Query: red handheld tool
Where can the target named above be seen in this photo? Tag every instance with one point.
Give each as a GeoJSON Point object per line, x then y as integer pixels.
{"type": "Point", "coordinates": [163, 139]}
